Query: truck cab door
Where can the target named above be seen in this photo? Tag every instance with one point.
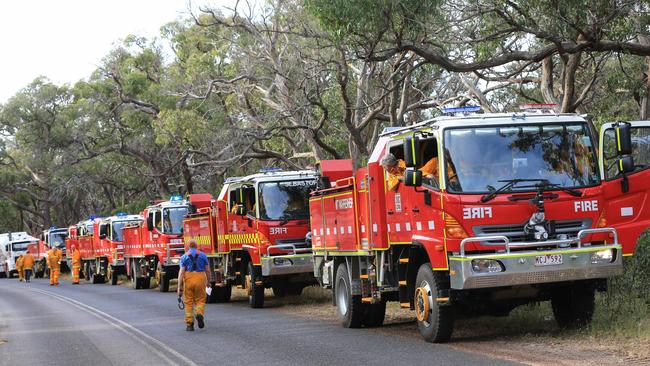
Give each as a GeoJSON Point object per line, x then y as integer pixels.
{"type": "Point", "coordinates": [627, 212]}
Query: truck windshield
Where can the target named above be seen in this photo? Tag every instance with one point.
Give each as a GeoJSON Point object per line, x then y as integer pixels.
{"type": "Point", "coordinates": [20, 245]}
{"type": "Point", "coordinates": [479, 158]}
{"type": "Point", "coordinates": [173, 220]}
{"type": "Point", "coordinates": [118, 229]}
{"type": "Point", "coordinates": [285, 200]}
{"type": "Point", "coordinates": [58, 239]}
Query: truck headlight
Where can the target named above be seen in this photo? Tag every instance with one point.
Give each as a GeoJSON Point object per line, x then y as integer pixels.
{"type": "Point", "coordinates": [175, 260]}
{"type": "Point", "coordinates": [486, 266]}
{"type": "Point", "coordinates": [602, 256]}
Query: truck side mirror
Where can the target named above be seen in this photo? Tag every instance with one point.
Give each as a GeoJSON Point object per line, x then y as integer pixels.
{"type": "Point", "coordinates": [150, 222]}
{"type": "Point", "coordinates": [626, 164]}
{"type": "Point", "coordinates": [412, 177]}
{"type": "Point", "coordinates": [240, 210]}
{"type": "Point", "coordinates": [623, 132]}
{"type": "Point", "coordinates": [412, 152]}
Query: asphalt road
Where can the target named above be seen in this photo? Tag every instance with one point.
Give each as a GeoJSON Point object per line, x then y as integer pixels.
{"type": "Point", "coordinates": [114, 325]}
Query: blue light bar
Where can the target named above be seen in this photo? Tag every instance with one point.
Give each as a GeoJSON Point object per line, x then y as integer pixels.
{"type": "Point", "coordinates": [270, 170]}
{"type": "Point", "coordinates": [121, 214]}
{"type": "Point", "coordinates": [92, 217]}
{"type": "Point", "coordinates": [52, 227]}
{"type": "Point", "coordinates": [466, 109]}
{"type": "Point", "coordinates": [176, 198]}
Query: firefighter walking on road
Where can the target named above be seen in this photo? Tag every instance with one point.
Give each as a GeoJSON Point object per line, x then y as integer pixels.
{"type": "Point", "coordinates": [28, 266]}
{"type": "Point", "coordinates": [192, 281]}
{"type": "Point", "coordinates": [54, 262]}
{"type": "Point", "coordinates": [19, 267]}
{"type": "Point", "coordinates": [76, 265]}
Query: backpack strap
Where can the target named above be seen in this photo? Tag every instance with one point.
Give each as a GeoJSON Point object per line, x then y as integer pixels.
{"type": "Point", "coordinates": [193, 258]}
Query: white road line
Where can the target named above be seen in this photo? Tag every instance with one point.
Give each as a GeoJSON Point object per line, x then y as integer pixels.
{"type": "Point", "coordinates": [124, 327]}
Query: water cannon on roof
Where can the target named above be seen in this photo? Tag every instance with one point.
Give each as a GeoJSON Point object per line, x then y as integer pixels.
{"type": "Point", "coordinates": [461, 111]}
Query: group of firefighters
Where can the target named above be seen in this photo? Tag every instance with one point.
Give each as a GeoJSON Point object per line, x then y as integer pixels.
{"type": "Point", "coordinates": [25, 265]}
{"type": "Point", "coordinates": [192, 277]}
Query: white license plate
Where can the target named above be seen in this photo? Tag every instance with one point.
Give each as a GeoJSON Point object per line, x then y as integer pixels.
{"type": "Point", "coordinates": [548, 260]}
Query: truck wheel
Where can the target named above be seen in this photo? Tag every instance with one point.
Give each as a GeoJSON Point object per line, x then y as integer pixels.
{"type": "Point", "coordinates": [87, 271]}
{"type": "Point", "coordinates": [375, 314]}
{"type": "Point", "coordinates": [255, 291]}
{"type": "Point", "coordinates": [349, 307]}
{"type": "Point", "coordinates": [573, 306]}
{"type": "Point", "coordinates": [135, 281]}
{"type": "Point", "coordinates": [435, 322]}
{"type": "Point", "coordinates": [162, 278]}
{"type": "Point", "coordinates": [112, 275]}
{"type": "Point", "coordinates": [224, 293]}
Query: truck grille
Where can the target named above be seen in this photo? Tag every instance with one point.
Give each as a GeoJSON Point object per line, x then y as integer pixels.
{"type": "Point", "coordinates": [515, 233]}
{"type": "Point", "coordinates": [299, 243]}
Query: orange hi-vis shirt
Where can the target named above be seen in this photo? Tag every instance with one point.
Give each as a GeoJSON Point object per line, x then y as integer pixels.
{"type": "Point", "coordinates": [28, 260]}
{"type": "Point", "coordinates": [76, 257]}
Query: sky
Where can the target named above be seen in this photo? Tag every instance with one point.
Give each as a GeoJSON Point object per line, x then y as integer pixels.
{"type": "Point", "coordinates": [65, 40]}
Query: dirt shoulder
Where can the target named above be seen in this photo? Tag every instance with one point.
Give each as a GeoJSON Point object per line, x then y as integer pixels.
{"type": "Point", "coordinates": [529, 335]}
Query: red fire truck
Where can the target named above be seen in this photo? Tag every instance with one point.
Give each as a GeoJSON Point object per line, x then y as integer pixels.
{"type": "Point", "coordinates": [153, 247]}
{"type": "Point", "coordinates": [93, 254]}
{"type": "Point", "coordinates": [524, 209]}
{"type": "Point", "coordinates": [50, 237]}
{"type": "Point", "coordinates": [109, 247]}
{"type": "Point", "coordinates": [254, 234]}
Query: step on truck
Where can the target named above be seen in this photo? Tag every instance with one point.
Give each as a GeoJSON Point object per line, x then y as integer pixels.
{"type": "Point", "coordinates": [524, 209]}
{"type": "Point", "coordinates": [51, 237]}
{"type": "Point", "coordinates": [254, 234]}
{"type": "Point", "coordinates": [153, 247]}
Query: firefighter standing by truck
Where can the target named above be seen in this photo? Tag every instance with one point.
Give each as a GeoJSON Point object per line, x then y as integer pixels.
{"type": "Point", "coordinates": [76, 264]}
{"type": "Point", "coordinates": [19, 267]}
{"type": "Point", "coordinates": [28, 265]}
{"type": "Point", "coordinates": [54, 262]}
{"type": "Point", "coordinates": [192, 282]}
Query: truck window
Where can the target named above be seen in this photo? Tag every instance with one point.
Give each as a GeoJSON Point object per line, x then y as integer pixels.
{"type": "Point", "coordinates": [117, 229]}
{"type": "Point", "coordinates": [57, 239]}
{"type": "Point", "coordinates": [479, 158]}
{"type": "Point", "coordinates": [640, 150]}
{"type": "Point", "coordinates": [285, 200]}
{"type": "Point", "coordinates": [157, 221]}
{"type": "Point", "coordinates": [173, 219]}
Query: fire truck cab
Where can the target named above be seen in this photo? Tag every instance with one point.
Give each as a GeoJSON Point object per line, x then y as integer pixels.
{"type": "Point", "coordinates": [480, 214]}
{"type": "Point", "coordinates": [256, 229]}
{"type": "Point", "coordinates": [51, 237]}
{"type": "Point", "coordinates": [153, 247]}
{"type": "Point", "coordinates": [13, 245]}
{"type": "Point", "coordinates": [110, 256]}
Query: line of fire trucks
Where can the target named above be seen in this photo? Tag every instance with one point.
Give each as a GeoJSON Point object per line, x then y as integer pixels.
{"type": "Point", "coordinates": [529, 207]}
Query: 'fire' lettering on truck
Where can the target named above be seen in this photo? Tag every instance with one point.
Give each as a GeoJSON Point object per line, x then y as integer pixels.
{"type": "Point", "coordinates": [585, 206]}
{"type": "Point", "coordinates": [477, 213]}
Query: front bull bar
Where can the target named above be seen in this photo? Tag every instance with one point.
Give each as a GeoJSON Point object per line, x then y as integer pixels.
{"type": "Point", "coordinates": [519, 269]}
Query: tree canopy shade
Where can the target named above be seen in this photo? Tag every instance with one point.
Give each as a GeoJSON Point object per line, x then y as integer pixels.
{"type": "Point", "coordinates": [288, 82]}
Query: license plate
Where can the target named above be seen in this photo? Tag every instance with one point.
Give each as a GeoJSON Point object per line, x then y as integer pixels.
{"type": "Point", "coordinates": [548, 260]}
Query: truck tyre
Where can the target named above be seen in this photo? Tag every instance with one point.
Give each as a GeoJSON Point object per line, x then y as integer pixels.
{"type": "Point", "coordinates": [135, 281]}
{"type": "Point", "coordinates": [349, 307]}
{"type": "Point", "coordinates": [87, 271]}
{"type": "Point", "coordinates": [163, 279]}
{"type": "Point", "coordinates": [375, 314]}
{"type": "Point", "coordinates": [435, 322]}
{"type": "Point", "coordinates": [255, 291]}
{"type": "Point", "coordinates": [112, 275]}
{"type": "Point", "coordinates": [224, 293]}
{"type": "Point", "coordinates": [573, 306]}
